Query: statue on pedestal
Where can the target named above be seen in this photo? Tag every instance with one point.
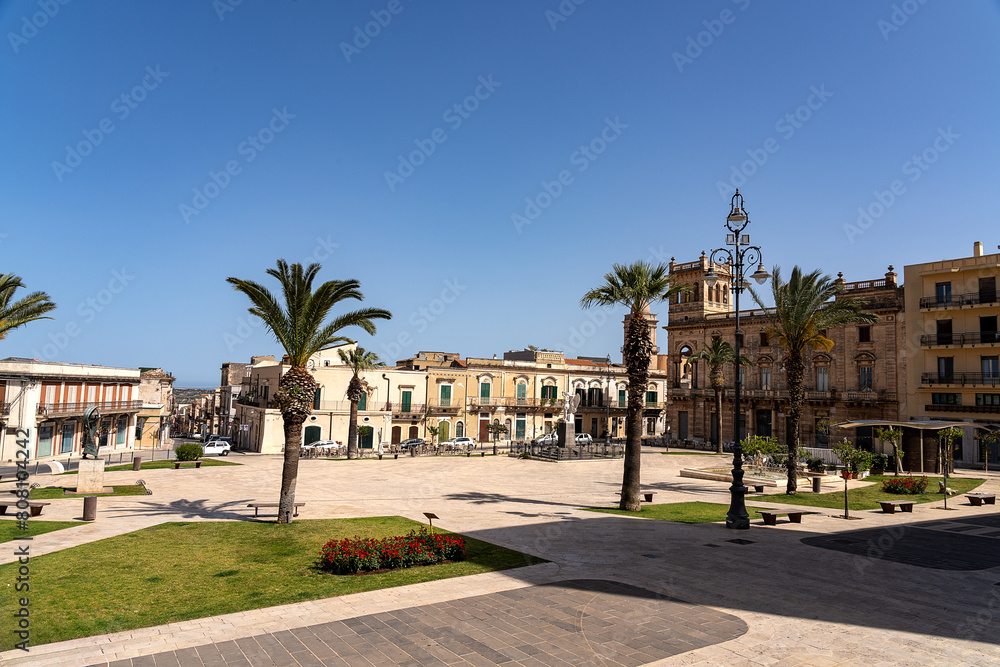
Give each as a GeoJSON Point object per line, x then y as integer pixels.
{"type": "Point", "coordinates": [91, 418]}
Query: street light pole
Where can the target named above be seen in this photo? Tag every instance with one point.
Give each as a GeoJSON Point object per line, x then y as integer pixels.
{"type": "Point", "coordinates": [739, 259]}
{"type": "Point", "coordinates": [607, 420]}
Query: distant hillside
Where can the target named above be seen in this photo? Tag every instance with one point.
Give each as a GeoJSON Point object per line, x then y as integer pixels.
{"type": "Point", "coordinates": [189, 394]}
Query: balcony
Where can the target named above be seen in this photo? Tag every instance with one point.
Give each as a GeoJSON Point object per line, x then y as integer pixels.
{"type": "Point", "coordinates": [978, 379]}
{"type": "Point", "coordinates": [990, 338]}
{"type": "Point", "coordinates": [995, 409]}
{"type": "Point", "coordinates": [984, 298]}
{"type": "Point", "coordinates": [447, 406]}
{"type": "Point", "coordinates": [405, 409]}
{"type": "Point", "coordinates": [77, 409]}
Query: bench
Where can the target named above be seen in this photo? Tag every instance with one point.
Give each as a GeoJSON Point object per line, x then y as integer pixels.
{"type": "Point", "coordinates": [34, 506]}
{"type": "Point", "coordinates": [758, 488]}
{"type": "Point", "coordinates": [177, 464]}
{"type": "Point", "coordinates": [977, 499]}
{"type": "Point", "coordinates": [771, 517]}
{"type": "Point", "coordinates": [889, 506]}
{"type": "Point", "coordinates": [256, 507]}
{"type": "Point", "coordinates": [647, 496]}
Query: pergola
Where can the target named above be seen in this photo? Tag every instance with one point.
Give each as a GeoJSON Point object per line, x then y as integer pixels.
{"type": "Point", "coordinates": [919, 425]}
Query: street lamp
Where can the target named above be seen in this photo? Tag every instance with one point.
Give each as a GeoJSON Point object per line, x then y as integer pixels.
{"type": "Point", "coordinates": [739, 259]}
{"type": "Point", "coordinates": [607, 421]}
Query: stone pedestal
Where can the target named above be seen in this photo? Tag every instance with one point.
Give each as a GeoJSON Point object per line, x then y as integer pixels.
{"type": "Point", "coordinates": [91, 476]}
{"type": "Point", "coordinates": [567, 433]}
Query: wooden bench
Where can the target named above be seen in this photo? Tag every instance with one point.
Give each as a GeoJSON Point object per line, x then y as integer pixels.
{"type": "Point", "coordinates": [647, 496]}
{"type": "Point", "coordinates": [771, 517]}
{"type": "Point", "coordinates": [256, 507]}
{"type": "Point", "coordinates": [889, 506]}
{"type": "Point", "coordinates": [34, 506]}
{"type": "Point", "coordinates": [977, 499]}
{"type": "Point", "coordinates": [177, 464]}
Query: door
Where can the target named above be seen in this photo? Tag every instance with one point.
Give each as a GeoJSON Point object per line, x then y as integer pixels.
{"type": "Point", "coordinates": [414, 431]}
{"type": "Point", "coordinates": [406, 397]}
{"type": "Point", "coordinates": [444, 431]}
{"type": "Point", "coordinates": [66, 442]}
{"type": "Point", "coordinates": [988, 290]}
{"type": "Point", "coordinates": [44, 441]}
{"type": "Point", "coordinates": [445, 395]}
{"type": "Point", "coordinates": [366, 437]}
{"type": "Point", "coordinates": [988, 329]}
{"type": "Point", "coordinates": [864, 437]}
{"type": "Point", "coordinates": [946, 369]}
{"type": "Point", "coordinates": [944, 336]}
{"type": "Point", "coordinates": [397, 435]}
{"type": "Point", "coordinates": [682, 425]}
{"type": "Point", "coordinates": [763, 423]}
{"type": "Point", "coordinates": [484, 430]}
{"type": "Point", "coordinates": [520, 421]}
{"type": "Point", "coordinates": [312, 434]}
{"type": "Point", "coordinates": [942, 292]}
{"type": "Point", "coordinates": [522, 394]}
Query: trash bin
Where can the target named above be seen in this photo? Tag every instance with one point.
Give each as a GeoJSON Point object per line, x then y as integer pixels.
{"type": "Point", "coordinates": [817, 480]}
{"type": "Point", "coordinates": [90, 508]}
{"type": "Point", "coordinates": [136, 462]}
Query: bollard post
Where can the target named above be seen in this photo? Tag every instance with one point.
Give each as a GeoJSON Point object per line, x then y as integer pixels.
{"type": "Point", "coordinates": [137, 463]}
{"type": "Point", "coordinates": [816, 484]}
{"type": "Point", "coordinates": [90, 508]}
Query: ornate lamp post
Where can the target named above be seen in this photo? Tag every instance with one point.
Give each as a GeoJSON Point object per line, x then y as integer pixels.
{"type": "Point", "coordinates": [739, 259]}
{"type": "Point", "coordinates": [607, 419]}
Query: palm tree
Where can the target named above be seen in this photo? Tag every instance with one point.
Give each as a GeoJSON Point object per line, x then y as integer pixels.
{"type": "Point", "coordinates": [717, 355]}
{"type": "Point", "coordinates": [635, 286]}
{"type": "Point", "coordinates": [804, 308]}
{"type": "Point", "coordinates": [28, 308]}
{"type": "Point", "coordinates": [298, 327]}
{"type": "Point", "coordinates": [358, 360]}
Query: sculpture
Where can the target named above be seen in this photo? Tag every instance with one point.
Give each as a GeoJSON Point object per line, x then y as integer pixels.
{"type": "Point", "coordinates": [91, 418]}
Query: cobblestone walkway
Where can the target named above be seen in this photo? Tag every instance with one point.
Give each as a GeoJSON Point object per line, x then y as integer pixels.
{"type": "Point", "coordinates": [576, 622]}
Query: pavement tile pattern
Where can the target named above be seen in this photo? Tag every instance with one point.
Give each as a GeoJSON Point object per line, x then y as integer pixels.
{"type": "Point", "coordinates": [964, 543]}
{"type": "Point", "coordinates": [573, 622]}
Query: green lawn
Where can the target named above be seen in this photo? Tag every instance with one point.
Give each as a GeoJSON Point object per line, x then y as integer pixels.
{"type": "Point", "coordinates": [691, 512]}
{"type": "Point", "coordinates": [9, 529]}
{"type": "Point", "coordinates": [179, 571]}
{"type": "Point", "coordinates": [866, 498]}
{"type": "Point", "coordinates": [155, 465]}
{"type": "Point", "coordinates": [53, 492]}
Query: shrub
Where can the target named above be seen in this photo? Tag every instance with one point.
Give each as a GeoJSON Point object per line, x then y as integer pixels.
{"type": "Point", "coordinates": [189, 451]}
{"type": "Point", "coordinates": [880, 462]}
{"type": "Point", "coordinates": [814, 464]}
{"type": "Point", "coordinates": [355, 554]}
{"type": "Point", "coordinates": [756, 443]}
{"type": "Point", "coordinates": [910, 485]}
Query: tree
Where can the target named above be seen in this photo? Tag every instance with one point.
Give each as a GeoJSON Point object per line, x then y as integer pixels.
{"type": "Point", "coordinates": [358, 360]}
{"type": "Point", "coordinates": [717, 355]}
{"type": "Point", "coordinates": [945, 452]}
{"type": "Point", "coordinates": [636, 286]}
{"type": "Point", "coordinates": [496, 429]}
{"type": "Point", "coordinates": [804, 309]}
{"type": "Point", "coordinates": [433, 431]}
{"type": "Point", "coordinates": [30, 307]}
{"type": "Point", "coordinates": [988, 439]}
{"type": "Point", "coordinates": [894, 437]}
{"type": "Point", "coordinates": [298, 325]}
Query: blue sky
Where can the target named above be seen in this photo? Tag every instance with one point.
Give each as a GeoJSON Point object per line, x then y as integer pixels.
{"type": "Point", "coordinates": [152, 149]}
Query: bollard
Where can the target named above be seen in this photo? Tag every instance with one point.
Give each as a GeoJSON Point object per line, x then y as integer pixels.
{"type": "Point", "coordinates": [395, 456]}
{"type": "Point", "coordinates": [816, 484]}
{"type": "Point", "coordinates": [90, 508]}
{"type": "Point", "coordinates": [137, 463]}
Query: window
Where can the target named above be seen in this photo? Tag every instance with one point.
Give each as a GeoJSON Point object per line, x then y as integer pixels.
{"type": "Point", "coordinates": [316, 398]}
{"type": "Point", "coordinates": [122, 430]}
{"type": "Point", "coordinates": [991, 368]}
{"type": "Point", "coordinates": [822, 379]}
{"type": "Point", "coordinates": [406, 397]}
{"type": "Point", "coordinates": [942, 292]}
{"type": "Point", "coordinates": [651, 397]}
{"type": "Point", "coordinates": [363, 403]}
{"type": "Point", "coordinates": [988, 399]}
{"type": "Point", "coordinates": [549, 393]}
{"type": "Point", "coordinates": [988, 329]}
{"type": "Point", "coordinates": [944, 336]}
{"type": "Point", "coordinates": [865, 378]}
{"type": "Point", "coordinates": [743, 376]}
{"type": "Point", "coordinates": [946, 369]}
{"type": "Point", "coordinates": [582, 393]}
{"type": "Point", "coordinates": [946, 399]}
{"type": "Point", "coordinates": [764, 342]}
{"type": "Point", "coordinates": [622, 399]}
{"type": "Point", "coordinates": [484, 390]}
{"type": "Point", "coordinates": [651, 426]}
{"type": "Point", "coordinates": [765, 377]}
{"type": "Point", "coordinates": [864, 334]}
{"type": "Point", "coordinates": [988, 290]}
{"type": "Point", "coordinates": [739, 339]}
{"type": "Point", "coordinates": [521, 391]}
{"type": "Point", "coordinates": [595, 397]}
{"type": "Point", "coordinates": [445, 395]}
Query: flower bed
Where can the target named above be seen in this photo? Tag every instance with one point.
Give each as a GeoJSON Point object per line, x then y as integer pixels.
{"type": "Point", "coordinates": [355, 554]}
{"type": "Point", "coordinates": [911, 485]}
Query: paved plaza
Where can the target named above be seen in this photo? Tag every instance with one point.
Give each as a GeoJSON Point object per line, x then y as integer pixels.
{"type": "Point", "coordinates": [901, 589]}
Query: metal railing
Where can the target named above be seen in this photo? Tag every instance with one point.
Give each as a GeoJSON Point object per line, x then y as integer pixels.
{"type": "Point", "coordinates": [52, 409]}
{"type": "Point", "coordinates": [984, 379]}
{"type": "Point", "coordinates": [934, 407]}
{"type": "Point", "coordinates": [967, 299]}
{"type": "Point", "coordinates": [573, 453]}
{"type": "Point", "coordinates": [971, 338]}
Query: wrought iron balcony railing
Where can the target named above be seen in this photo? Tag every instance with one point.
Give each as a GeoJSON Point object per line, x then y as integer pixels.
{"type": "Point", "coordinates": [59, 409]}
{"type": "Point", "coordinates": [982, 379]}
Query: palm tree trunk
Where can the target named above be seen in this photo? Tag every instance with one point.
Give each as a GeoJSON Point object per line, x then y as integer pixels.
{"type": "Point", "coordinates": [796, 397]}
{"type": "Point", "coordinates": [352, 432]}
{"type": "Point", "coordinates": [290, 468]}
{"type": "Point", "coordinates": [635, 354]}
{"type": "Point", "coordinates": [718, 421]}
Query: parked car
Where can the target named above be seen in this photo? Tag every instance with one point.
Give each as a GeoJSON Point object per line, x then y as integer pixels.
{"type": "Point", "coordinates": [461, 443]}
{"type": "Point", "coordinates": [217, 447]}
{"type": "Point", "coordinates": [584, 439]}
{"type": "Point", "coordinates": [412, 442]}
{"type": "Point", "coordinates": [547, 439]}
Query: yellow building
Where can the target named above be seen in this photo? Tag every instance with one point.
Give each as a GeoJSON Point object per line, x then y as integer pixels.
{"type": "Point", "coordinates": [953, 345]}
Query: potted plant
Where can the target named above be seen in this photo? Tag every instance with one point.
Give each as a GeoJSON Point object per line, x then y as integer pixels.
{"type": "Point", "coordinates": [845, 452]}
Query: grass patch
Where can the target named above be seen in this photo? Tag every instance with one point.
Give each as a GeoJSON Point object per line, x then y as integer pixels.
{"type": "Point", "coordinates": [180, 571]}
{"type": "Point", "coordinates": [54, 492]}
{"type": "Point", "coordinates": [866, 498]}
{"type": "Point", "coordinates": [155, 465]}
{"type": "Point", "coordinates": [9, 529]}
{"type": "Point", "coordinates": [691, 512]}
{"type": "Point", "coordinates": [693, 454]}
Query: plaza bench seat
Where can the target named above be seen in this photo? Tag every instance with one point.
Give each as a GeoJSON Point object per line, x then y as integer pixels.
{"type": "Point", "coordinates": [770, 517]}
{"type": "Point", "coordinates": [647, 496]}
{"type": "Point", "coordinates": [177, 464]}
{"type": "Point", "coordinates": [34, 506]}
{"type": "Point", "coordinates": [889, 506]}
{"type": "Point", "coordinates": [977, 499]}
{"type": "Point", "coordinates": [256, 507]}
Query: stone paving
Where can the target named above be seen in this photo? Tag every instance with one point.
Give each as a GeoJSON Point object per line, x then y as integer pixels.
{"type": "Point", "coordinates": [802, 604]}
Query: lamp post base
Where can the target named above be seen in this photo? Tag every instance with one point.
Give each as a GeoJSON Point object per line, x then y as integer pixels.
{"type": "Point", "coordinates": [737, 518]}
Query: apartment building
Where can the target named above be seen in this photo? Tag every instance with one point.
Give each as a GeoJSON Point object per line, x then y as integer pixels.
{"type": "Point", "coordinates": [156, 389]}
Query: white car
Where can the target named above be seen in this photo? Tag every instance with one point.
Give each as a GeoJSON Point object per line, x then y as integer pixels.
{"type": "Point", "coordinates": [547, 439]}
{"type": "Point", "coordinates": [217, 447]}
{"type": "Point", "coordinates": [461, 443]}
{"type": "Point", "coordinates": [584, 439]}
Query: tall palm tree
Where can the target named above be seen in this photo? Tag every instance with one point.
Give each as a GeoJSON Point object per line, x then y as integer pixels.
{"type": "Point", "coordinates": [298, 327]}
{"type": "Point", "coordinates": [358, 360]}
{"type": "Point", "coordinates": [717, 355]}
{"type": "Point", "coordinates": [28, 308]}
{"type": "Point", "coordinates": [635, 286]}
{"type": "Point", "coordinates": [804, 309]}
